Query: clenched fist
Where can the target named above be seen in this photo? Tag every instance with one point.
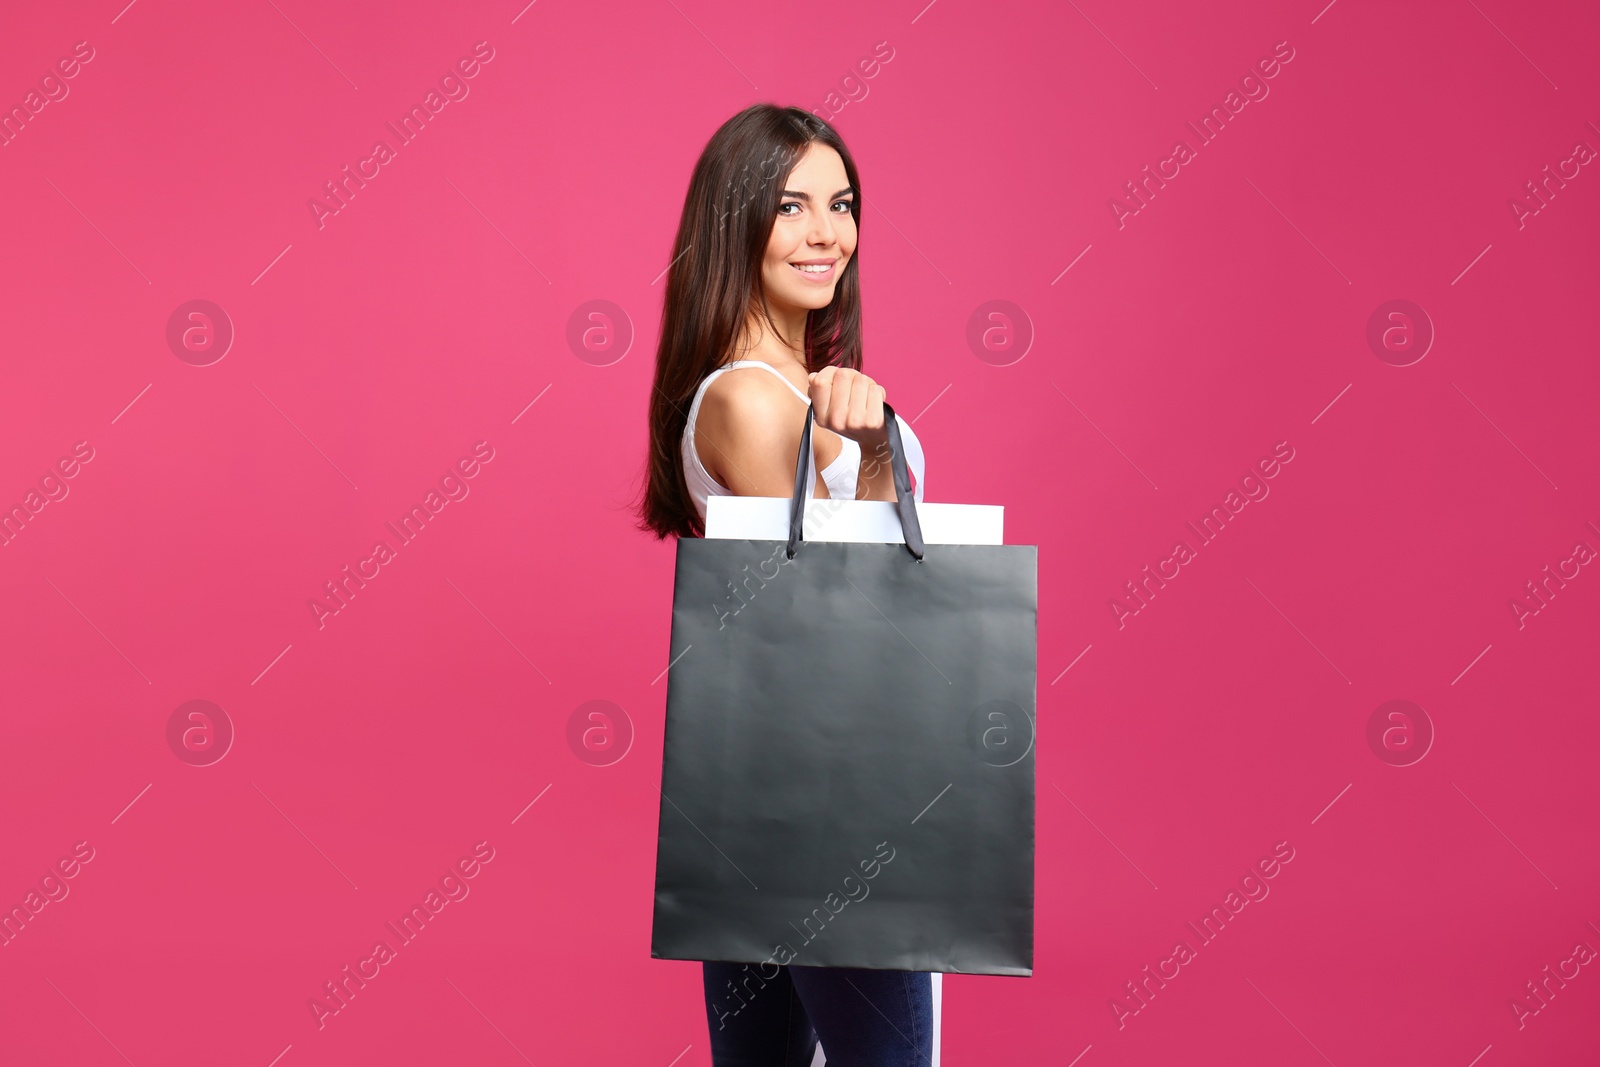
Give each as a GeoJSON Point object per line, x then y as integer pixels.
{"type": "Point", "coordinates": [850, 404]}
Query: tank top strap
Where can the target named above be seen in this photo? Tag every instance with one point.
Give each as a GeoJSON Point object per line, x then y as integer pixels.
{"type": "Point", "coordinates": [761, 363]}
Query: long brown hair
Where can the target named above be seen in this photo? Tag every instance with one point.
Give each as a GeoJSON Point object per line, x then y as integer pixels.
{"type": "Point", "coordinates": [714, 281]}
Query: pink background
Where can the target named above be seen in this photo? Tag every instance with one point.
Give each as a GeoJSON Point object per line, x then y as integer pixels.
{"type": "Point", "coordinates": [1229, 314]}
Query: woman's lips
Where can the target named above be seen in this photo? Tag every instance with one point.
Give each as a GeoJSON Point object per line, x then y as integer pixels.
{"type": "Point", "coordinates": [814, 275]}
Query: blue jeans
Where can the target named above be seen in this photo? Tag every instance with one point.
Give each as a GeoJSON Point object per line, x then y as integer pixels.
{"type": "Point", "coordinates": [865, 1018]}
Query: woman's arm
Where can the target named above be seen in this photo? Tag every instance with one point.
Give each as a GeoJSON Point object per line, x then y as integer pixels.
{"type": "Point", "coordinates": [876, 480]}
{"type": "Point", "coordinates": [753, 426]}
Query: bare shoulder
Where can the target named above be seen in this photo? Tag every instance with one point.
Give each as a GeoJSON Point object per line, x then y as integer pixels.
{"type": "Point", "coordinates": [749, 404]}
{"type": "Point", "coordinates": [749, 421]}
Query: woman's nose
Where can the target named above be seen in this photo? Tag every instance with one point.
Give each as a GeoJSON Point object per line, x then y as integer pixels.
{"type": "Point", "coordinates": [822, 230]}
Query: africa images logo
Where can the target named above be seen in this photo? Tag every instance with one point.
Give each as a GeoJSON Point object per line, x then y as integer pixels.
{"type": "Point", "coordinates": [342, 591]}
{"type": "Point", "coordinates": [453, 87]}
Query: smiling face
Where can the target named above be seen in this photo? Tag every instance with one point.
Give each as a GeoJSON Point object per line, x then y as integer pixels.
{"type": "Point", "coordinates": [813, 236]}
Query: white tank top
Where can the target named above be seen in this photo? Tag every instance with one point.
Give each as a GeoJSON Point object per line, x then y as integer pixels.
{"type": "Point", "coordinates": [839, 476]}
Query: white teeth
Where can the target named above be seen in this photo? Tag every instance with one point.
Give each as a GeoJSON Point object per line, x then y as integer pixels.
{"type": "Point", "coordinates": [823, 269]}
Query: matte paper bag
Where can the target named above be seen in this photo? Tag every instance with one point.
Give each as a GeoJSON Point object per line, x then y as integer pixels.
{"type": "Point", "coordinates": [848, 767]}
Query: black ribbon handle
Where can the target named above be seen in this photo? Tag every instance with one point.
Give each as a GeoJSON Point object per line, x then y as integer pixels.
{"type": "Point", "coordinates": [910, 525]}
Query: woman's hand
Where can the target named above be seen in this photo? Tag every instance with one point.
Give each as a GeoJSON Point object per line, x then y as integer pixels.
{"type": "Point", "coordinates": [851, 405]}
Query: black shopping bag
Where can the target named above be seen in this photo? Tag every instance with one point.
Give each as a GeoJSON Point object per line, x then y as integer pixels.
{"type": "Point", "coordinates": [848, 766]}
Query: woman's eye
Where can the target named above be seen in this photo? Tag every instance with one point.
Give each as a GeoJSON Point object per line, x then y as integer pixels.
{"type": "Point", "coordinates": [845, 204]}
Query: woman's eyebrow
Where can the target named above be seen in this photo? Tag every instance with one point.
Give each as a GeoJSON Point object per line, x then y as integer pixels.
{"type": "Point", "coordinates": [807, 196]}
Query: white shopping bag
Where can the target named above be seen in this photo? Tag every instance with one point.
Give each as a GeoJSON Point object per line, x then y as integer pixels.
{"type": "Point", "coordinates": [766, 518]}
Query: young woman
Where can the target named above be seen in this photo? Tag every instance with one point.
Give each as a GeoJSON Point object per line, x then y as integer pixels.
{"type": "Point", "coordinates": [762, 317]}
